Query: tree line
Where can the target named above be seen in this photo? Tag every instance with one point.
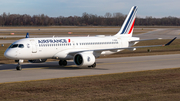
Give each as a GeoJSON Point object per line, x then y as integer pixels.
{"type": "Point", "coordinates": [108, 19]}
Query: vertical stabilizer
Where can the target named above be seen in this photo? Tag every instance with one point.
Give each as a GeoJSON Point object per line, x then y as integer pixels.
{"type": "Point", "coordinates": [128, 25]}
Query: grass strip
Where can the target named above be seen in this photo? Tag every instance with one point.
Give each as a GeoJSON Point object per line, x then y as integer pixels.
{"type": "Point", "coordinates": [153, 85]}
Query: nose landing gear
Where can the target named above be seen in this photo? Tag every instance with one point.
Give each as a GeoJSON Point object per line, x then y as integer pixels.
{"type": "Point", "coordinates": [18, 67]}
{"type": "Point", "coordinates": [19, 64]}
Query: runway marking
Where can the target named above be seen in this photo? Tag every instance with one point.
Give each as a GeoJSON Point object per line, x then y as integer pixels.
{"type": "Point", "coordinates": [86, 76]}
{"type": "Point", "coordinates": [97, 64]}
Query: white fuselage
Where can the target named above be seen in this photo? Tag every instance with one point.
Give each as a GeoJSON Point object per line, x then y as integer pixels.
{"type": "Point", "coordinates": [59, 47]}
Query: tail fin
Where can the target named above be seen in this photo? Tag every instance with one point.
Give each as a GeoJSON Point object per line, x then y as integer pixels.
{"type": "Point", "coordinates": [27, 35]}
{"type": "Point", "coordinates": [128, 25]}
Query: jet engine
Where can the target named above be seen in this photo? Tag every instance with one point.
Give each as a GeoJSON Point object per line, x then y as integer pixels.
{"type": "Point", "coordinates": [37, 61]}
{"type": "Point", "coordinates": [84, 59]}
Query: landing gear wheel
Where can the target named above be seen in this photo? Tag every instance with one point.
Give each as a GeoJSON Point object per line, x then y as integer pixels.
{"type": "Point", "coordinates": [18, 68]}
{"type": "Point", "coordinates": [62, 63]}
{"type": "Point", "coordinates": [19, 64]}
{"type": "Point", "coordinates": [92, 66]}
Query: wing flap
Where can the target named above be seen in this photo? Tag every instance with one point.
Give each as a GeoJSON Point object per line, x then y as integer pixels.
{"type": "Point", "coordinates": [145, 40]}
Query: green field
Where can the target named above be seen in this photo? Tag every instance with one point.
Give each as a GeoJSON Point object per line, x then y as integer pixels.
{"type": "Point", "coordinates": [156, 85]}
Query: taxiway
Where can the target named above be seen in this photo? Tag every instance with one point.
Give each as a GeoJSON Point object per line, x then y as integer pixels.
{"type": "Point", "coordinates": [50, 70]}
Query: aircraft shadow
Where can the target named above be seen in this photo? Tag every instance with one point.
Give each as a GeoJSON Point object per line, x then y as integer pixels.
{"type": "Point", "coordinates": [48, 65]}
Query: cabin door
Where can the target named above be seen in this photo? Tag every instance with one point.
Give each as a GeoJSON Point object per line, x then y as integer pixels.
{"type": "Point", "coordinates": [34, 46]}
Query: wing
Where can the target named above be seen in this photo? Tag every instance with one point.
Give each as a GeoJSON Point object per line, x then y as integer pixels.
{"type": "Point", "coordinates": [115, 49]}
{"type": "Point", "coordinates": [145, 40]}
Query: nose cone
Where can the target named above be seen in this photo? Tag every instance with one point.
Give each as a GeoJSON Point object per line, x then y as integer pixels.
{"type": "Point", "coordinates": [9, 54]}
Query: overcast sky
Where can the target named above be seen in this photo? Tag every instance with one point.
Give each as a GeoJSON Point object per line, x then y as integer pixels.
{"type": "Point", "coordinates": [55, 8]}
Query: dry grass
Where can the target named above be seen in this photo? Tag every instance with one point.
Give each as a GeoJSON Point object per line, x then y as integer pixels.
{"type": "Point", "coordinates": [159, 85]}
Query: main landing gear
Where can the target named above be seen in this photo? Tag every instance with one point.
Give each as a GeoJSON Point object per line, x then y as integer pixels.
{"type": "Point", "coordinates": [19, 64]}
{"type": "Point", "coordinates": [62, 62]}
{"type": "Point", "coordinates": [93, 66]}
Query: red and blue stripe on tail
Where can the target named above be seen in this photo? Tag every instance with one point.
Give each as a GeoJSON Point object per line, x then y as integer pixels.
{"type": "Point", "coordinates": [128, 25]}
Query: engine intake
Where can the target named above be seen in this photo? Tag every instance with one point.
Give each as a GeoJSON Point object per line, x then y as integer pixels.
{"type": "Point", "coordinates": [84, 59]}
{"type": "Point", "coordinates": [37, 61]}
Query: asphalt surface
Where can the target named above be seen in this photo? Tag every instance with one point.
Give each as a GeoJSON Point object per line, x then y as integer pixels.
{"type": "Point", "coordinates": [51, 70]}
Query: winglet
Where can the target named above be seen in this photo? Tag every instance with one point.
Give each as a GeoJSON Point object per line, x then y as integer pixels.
{"type": "Point", "coordinates": [27, 35]}
{"type": "Point", "coordinates": [170, 42]}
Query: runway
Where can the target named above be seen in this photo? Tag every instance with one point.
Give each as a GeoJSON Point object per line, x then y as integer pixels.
{"type": "Point", "coordinates": [50, 70]}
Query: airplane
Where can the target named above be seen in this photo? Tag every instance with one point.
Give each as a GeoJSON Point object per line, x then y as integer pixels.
{"type": "Point", "coordinates": [82, 50]}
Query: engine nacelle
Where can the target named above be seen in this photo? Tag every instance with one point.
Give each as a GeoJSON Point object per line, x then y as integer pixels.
{"type": "Point", "coordinates": [84, 59]}
{"type": "Point", "coordinates": [37, 61]}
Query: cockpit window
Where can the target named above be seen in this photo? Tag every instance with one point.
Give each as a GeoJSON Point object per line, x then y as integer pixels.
{"type": "Point", "coordinates": [16, 45]}
{"type": "Point", "coordinates": [21, 46]}
{"type": "Point", "coordinates": [13, 46]}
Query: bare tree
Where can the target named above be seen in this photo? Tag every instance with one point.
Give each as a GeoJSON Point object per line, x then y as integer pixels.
{"type": "Point", "coordinates": [108, 15]}
{"type": "Point", "coordinates": [86, 19]}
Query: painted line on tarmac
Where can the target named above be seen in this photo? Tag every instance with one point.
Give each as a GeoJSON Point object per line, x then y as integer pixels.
{"type": "Point", "coordinates": [86, 76]}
